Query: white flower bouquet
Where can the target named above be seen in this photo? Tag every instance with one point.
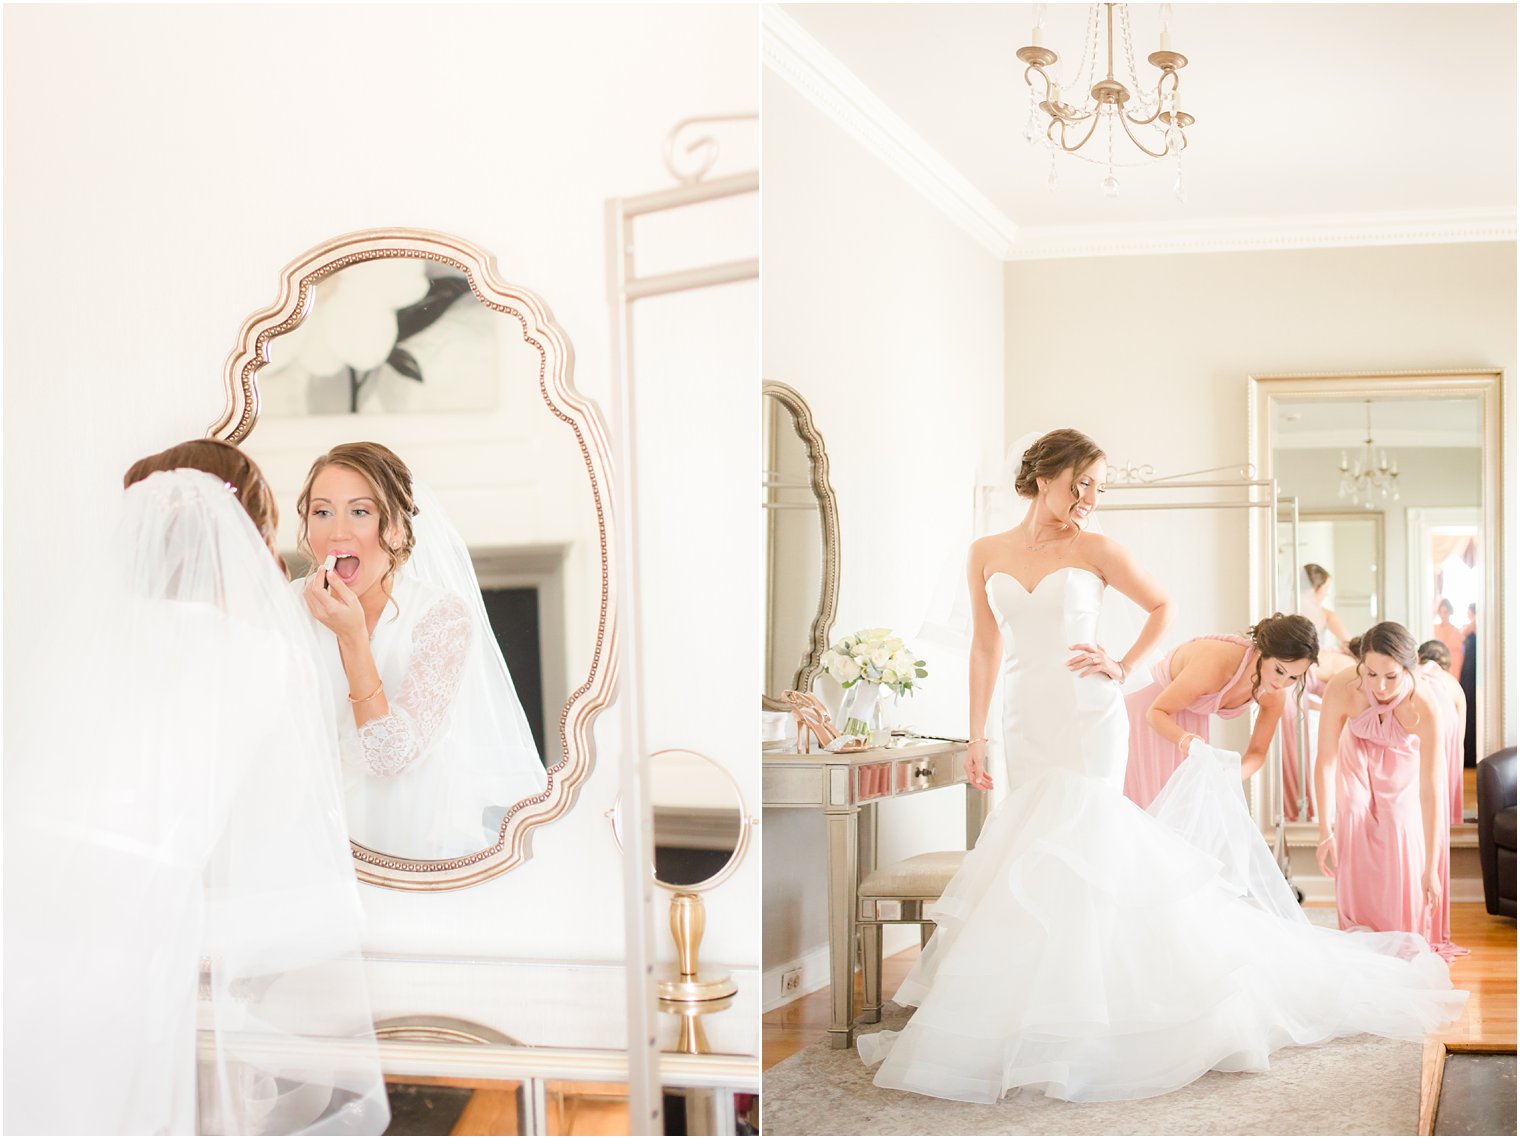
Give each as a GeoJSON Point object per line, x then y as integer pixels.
{"type": "Point", "coordinates": [876, 657]}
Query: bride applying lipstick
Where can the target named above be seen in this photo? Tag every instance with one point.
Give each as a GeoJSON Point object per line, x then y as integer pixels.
{"type": "Point", "coordinates": [432, 736]}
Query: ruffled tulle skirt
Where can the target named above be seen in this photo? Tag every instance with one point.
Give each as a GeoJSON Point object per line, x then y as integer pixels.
{"type": "Point", "coordinates": [1091, 952]}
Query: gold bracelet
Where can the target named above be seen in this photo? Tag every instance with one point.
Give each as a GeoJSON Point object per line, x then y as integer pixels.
{"type": "Point", "coordinates": [371, 696]}
{"type": "Point", "coordinates": [978, 740]}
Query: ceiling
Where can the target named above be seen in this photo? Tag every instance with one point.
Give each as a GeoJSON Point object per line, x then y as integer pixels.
{"type": "Point", "coordinates": [1307, 112]}
{"type": "Point", "coordinates": [1417, 422]}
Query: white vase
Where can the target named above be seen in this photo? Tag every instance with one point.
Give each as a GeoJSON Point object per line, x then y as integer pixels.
{"type": "Point", "coordinates": [858, 710]}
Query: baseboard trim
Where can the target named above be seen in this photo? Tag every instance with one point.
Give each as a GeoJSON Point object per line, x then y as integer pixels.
{"type": "Point", "coordinates": [815, 968]}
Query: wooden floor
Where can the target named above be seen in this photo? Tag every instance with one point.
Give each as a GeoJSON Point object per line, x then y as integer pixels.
{"type": "Point", "coordinates": [1488, 974]}
{"type": "Point", "coordinates": [574, 1108]}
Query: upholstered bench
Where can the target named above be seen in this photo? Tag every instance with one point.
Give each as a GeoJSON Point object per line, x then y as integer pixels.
{"type": "Point", "coordinates": [1496, 830]}
{"type": "Point", "coordinates": [897, 893]}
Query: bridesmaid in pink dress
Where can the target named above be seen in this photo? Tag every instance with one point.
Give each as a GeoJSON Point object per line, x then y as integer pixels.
{"type": "Point", "coordinates": [1219, 675]}
{"type": "Point", "coordinates": [1435, 666]}
{"type": "Point", "coordinates": [1382, 781]}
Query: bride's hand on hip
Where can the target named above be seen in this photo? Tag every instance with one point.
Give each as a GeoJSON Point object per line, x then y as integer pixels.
{"type": "Point", "coordinates": [976, 774]}
{"type": "Point", "coordinates": [337, 607]}
{"type": "Point", "coordinates": [1091, 660]}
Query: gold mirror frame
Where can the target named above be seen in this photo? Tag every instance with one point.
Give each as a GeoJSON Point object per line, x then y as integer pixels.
{"type": "Point", "coordinates": [1484, 384]}
{"type": "Point", "coordinates": [828, 510]}
{"type": "Point", "coordinates": [579, 414]}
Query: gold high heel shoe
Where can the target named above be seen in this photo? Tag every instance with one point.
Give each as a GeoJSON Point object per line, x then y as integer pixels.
{"type": "Point", "coordinates": [813, 722]}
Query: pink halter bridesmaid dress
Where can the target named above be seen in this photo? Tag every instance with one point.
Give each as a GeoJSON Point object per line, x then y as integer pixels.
{"type": "Point", "coordinates": [1152, 759]}
{"type": "Point", "coordinates": [1452, 729]}
{"type": "Point", "coordinates": [1379, 836]}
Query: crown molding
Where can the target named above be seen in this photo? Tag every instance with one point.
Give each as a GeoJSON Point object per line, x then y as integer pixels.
{"type": "Point", "coordinates": [1260, 234]}
{"type": "Point", "coordinates": [816, 74]}
{"type": "Point", "coordinates": [794, 55]}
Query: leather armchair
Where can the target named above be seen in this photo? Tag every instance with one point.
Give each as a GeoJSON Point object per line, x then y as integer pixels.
{"type": "Point", "coordinates": [1496, 830]}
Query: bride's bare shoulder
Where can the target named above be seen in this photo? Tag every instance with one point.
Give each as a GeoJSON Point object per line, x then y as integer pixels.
{"type": "Point", "coordinates": [988, 547]}
{"type": "Point", "coordinates": [1104, 551]}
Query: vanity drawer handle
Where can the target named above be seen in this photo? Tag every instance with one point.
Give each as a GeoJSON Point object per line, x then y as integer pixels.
{"type": "Point", "coordinates": [923, 769]}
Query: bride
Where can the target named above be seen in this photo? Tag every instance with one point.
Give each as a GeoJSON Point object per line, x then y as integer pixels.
{"type": "Point", "coordinates": [435, 744]}
{"type": "Point", "coordinates": [1086, 949]}
{"type": "Point", "coordinates": [182, 923]}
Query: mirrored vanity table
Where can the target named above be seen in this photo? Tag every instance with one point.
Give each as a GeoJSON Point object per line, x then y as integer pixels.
{"type": "Point", "coordinates": [846, 788]}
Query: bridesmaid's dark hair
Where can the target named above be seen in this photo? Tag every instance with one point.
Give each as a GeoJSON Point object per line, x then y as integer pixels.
{"type": "Point", "coordinates": [1051, 454]}
{"type": "Point", "coordinates": [1287, 637]}
{"type": "Point", "coordinates": [1437, 652]}
{"type": "Point", "coordinates": [1354, 647]}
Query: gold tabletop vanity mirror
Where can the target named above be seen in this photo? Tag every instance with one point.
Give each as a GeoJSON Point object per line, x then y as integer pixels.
{"type": "Point", "coordinates": [700, 835]}
{"type": "Point", "coordinates": [412, 339]}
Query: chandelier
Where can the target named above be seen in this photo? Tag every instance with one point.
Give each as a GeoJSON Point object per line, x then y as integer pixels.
{"type": "Point", "coordinates": [1371, 475]}
{"type": "Point", "coordinates": [1099, 110]}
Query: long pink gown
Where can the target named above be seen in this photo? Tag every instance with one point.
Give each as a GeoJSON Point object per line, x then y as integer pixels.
{"type": "Point", "coordinates": [1452, 728]}
{"type": "Point", "coordinates": [1379, 835]}
{"type": "Point", "coordinates": [1152, 759]}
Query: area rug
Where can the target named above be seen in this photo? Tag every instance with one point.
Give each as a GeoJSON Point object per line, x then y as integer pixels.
{"type": "Point", "coordinates": [1360, 1085]}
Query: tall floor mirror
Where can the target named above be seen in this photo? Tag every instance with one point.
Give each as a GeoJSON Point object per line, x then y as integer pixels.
{"type": "Point", "coordinates": [1396, 479]}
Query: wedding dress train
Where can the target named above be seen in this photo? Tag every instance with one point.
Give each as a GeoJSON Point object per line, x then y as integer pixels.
{"type": "Point", "coordinates": [1091, 951]}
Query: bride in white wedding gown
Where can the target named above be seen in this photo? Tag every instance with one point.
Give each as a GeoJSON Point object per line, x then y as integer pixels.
{"type": "Point", "coordinates": [1086, 949]}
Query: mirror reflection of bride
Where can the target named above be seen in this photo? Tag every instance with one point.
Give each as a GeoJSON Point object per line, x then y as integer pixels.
{"type": "Point", "coordinates": [435, 744]}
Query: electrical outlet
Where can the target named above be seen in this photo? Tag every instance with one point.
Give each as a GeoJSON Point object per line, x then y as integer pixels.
{"type": "Point", "coordinates": [791, 980]}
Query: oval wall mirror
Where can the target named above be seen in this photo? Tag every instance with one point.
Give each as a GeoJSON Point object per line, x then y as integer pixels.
{"type": "Point", "coordinates": [410, 338]}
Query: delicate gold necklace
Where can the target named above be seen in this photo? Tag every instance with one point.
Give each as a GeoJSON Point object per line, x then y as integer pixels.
{"type": "Point", "coordinates": [1041, 545]}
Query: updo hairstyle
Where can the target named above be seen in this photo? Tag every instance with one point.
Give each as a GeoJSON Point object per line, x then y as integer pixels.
{"type": "Point", "coordinates": [1051, 454]}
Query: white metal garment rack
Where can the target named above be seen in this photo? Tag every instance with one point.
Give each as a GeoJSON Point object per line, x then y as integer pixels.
{"type": "Point", "coordinates": [1259, 494]}
{"type": "Point", "coordinates": [688, 141]}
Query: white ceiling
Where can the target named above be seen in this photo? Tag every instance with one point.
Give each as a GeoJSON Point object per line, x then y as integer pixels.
{"type": "Point", "coordinates": [1396, 113]}
{"type": "Point", "coordinates": [1420, 422]}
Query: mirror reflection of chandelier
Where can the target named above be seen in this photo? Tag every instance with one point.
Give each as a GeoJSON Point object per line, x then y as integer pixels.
{"type": "Point", "coordinates": [1098, 104]}
{"type": "Point", "coordinates": [1370, 476]}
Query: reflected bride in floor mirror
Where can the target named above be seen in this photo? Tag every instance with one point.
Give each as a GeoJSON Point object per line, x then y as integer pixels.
{"type": "Point", "coordinates": [446, 527]}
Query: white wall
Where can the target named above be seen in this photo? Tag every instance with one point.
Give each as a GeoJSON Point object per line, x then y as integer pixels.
{"type": "Point", "coordinates": [888, 319]}
{"type": "Point", "coordinates": [163, 164]}
{"type": "Point", "coordinates": [1159, 375]}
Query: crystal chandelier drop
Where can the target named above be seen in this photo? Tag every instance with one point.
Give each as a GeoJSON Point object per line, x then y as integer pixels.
{"type": "Point", "coordinates": [1370, 476]}
{"type": "Point", "coordinates": [1099, 110]}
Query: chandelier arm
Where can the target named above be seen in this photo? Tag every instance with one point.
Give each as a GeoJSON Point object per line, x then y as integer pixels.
{"type": "Point", "coordinates": [1030, 83]}
{"type": "Point", "coordinates": [1153, 153]}
{"type": "Point", "coordinates": [1157, 112]}
{"type": "Point", "coordinates": [1062, 139]}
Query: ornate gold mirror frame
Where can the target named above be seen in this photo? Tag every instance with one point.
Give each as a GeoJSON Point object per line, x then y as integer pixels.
{"type": "Point", "coordinates": [828, 513]}
{"type": "Point", "coordinates": [1486, 385]}
{"type": "Point", "coordinates": [578, 414]}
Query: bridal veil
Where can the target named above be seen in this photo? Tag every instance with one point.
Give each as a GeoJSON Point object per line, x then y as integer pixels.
{"type": "Point", "coordinates": [182, 920]}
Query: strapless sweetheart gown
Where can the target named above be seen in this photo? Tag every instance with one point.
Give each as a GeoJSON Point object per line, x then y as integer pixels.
{"type": "Point", "coordinates": [1093, 951]}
